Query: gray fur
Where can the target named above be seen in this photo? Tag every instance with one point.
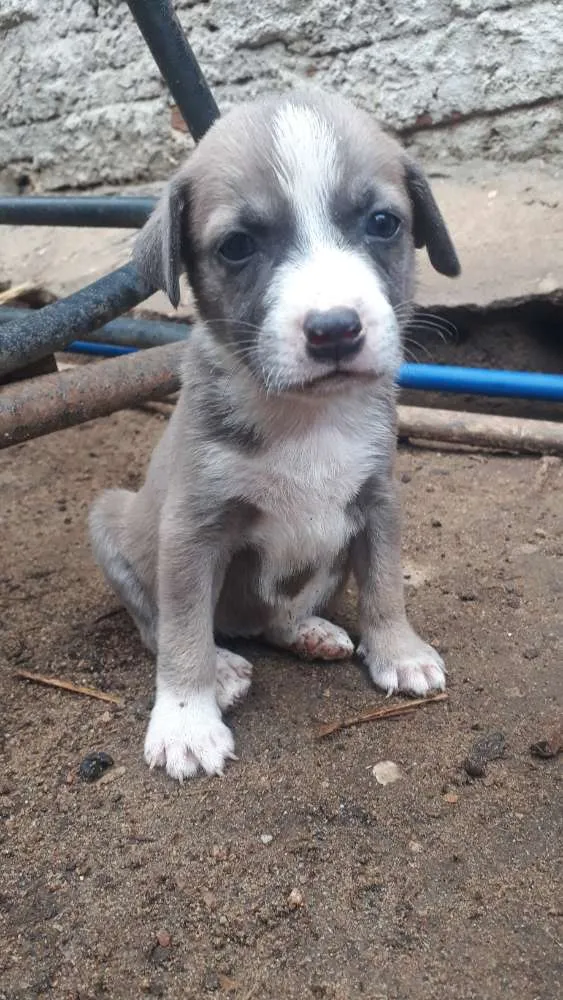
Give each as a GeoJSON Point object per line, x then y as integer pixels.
{"type": "Point", "coordinates": [269, 484]}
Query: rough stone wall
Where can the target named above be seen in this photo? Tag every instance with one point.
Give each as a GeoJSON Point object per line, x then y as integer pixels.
{"type": "Point", "coordinates": [83, 103]}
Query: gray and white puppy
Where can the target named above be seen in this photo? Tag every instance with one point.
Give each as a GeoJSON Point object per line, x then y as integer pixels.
{"type": "Point", "coordinates": [296, 220]}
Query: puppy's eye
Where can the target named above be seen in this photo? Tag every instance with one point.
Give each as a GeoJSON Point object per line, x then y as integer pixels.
{"type": "Point", "coordinates": [382, 225]}
{"type": "Point", "coordinates": [237, 248]}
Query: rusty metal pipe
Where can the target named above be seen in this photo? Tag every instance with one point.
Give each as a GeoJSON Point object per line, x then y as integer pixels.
{"type": "Point", "coordinates": [49, 403]}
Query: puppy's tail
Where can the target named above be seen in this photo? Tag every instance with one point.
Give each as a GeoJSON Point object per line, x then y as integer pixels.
{"type": "Point", "coordinates": [108, 520]}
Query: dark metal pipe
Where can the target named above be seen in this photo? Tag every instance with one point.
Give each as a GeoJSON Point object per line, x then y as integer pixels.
{"type": "Point", "coordinates": [42, 331]}
{"type": "Point", "coordinates": [124, 332]}
{"type": "Point", "coordinates": [113, 211]}
{"type": "Point", "coordinates": [48, 403]}
{"type": "Point", "coordinates": [172, 53]}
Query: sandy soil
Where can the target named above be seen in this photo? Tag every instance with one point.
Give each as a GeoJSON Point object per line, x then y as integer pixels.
{"type": "Point", "coordinates": [435, 886]}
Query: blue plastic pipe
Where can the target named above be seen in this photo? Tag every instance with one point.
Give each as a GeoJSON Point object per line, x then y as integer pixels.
{"type": "Point", "coordinates": [102, 350]}
{"type": "Point", "coordinates": [482, 381]}
{"type": "Point", "coordinates": [435, 378]}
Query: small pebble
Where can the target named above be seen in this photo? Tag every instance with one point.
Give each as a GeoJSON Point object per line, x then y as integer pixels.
{"type": "Point", "coordinates": [386, 772]}
{"type": "Point", "coordinates": [266, 838]}
{"type": "Point", "coordinates": [489, 747]}
{"type": "Point", "coordinates": [219, 853]}
{"type": "Point", "coordinates": [295, 899]}
{"type": "Point", "coordinates": [94, 765]}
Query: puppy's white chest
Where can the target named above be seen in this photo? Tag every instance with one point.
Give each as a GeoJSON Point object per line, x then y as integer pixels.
{"type": "Point", "coordinates": [302, 489]}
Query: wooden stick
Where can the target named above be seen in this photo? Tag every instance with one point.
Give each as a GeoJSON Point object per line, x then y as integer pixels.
{"type": "Point", "coordinates": [372, 714]}
{"type": "Point", "coordinates": [482, 430]}
{"type": "Point", "coordinates": [68, 686]}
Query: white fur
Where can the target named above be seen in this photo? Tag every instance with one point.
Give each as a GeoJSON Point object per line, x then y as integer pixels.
{"type": "Point", "coordinates": [302, 483]}
{"type": "Point", "coordinates": [399, 660]}
{"type": "Point", "coordinates": [186, 735]}
{"type": "Point", "coordinates": [321, 278]}
{"type": "Point", "coordinates": [306, 166]}
{"type": "Point", "coordinates": [321, 273]}
{"type": "Point", "coordinates": [233, 678]}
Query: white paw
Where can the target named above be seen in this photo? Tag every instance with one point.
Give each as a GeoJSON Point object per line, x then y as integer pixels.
{"type": "Point", "coordinates": [315, 639]}
{"type": "Point", "coordinates": [400, 661]}
{"type": "Point", "coordinates": [233, 678]}
{"type": "Point", "coordinates": [185, 735]}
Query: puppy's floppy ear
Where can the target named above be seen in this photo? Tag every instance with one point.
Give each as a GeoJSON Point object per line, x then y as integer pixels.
{"type": "Point", "coordinates": [158, 247]}
{"type": "Point", "coordinates": [428, 225]}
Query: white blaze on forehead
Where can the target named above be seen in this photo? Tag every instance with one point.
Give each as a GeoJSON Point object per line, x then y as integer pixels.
{"type": "Point", "coordinates": [305, 161]}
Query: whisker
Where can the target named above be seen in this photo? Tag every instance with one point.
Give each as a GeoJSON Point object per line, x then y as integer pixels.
{"type": "Point", "coordinates": [420, 347]}
{"type": "Point", "coordinates": [442, 319]}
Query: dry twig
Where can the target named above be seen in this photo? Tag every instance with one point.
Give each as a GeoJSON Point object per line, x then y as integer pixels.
{"type": "Point", "coordinates": [88, 692]}
{"type": "Point", "coordinates": [372, 714]}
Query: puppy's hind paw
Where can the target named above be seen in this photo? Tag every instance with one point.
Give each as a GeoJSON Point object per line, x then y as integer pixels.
{"type": "Point", "coordinates": [183, 736]}
{"type": "Point", "coordinates": [314, 639]}
{"type": "Point", "coordinates": [234, 674]}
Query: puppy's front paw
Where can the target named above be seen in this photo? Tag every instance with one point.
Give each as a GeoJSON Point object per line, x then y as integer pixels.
{"type": "Point", "coordinates": [233, 678]}
{"type": "Point", "coordinates": [185, 735]}
{"type": "Point", "coordinates": [399, 660]}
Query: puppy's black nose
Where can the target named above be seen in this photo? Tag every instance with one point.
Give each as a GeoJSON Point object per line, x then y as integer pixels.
{"type": "Point", "coordinates": [334, 334]}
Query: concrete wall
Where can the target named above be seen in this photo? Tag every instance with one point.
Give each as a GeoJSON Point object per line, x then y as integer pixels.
{"type": "Point", "coordinates": [83, 104]}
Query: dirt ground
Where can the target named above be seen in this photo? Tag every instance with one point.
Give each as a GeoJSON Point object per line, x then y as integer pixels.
{"type": "Point", "coordinates": [297, 875]}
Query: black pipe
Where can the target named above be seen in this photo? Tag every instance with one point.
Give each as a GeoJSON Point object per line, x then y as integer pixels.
{"type": "Point", "coordinates": [172, 53]}
{"type": "Point", "coordinates": [127, 331]}
{"type": "Point", "coordinates": [121, 212]}
{"type": "Point", "coordinates": [42, 331]}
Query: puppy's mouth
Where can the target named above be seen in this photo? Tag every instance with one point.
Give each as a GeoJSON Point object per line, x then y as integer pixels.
{"type": "Point", "coordinates": [338, 377]}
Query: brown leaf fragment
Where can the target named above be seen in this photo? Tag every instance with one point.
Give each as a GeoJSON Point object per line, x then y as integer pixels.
{"type": "Point", "coordinates": [227, 984]}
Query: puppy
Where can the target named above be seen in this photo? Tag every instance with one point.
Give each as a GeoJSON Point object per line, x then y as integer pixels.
{"type": "Point", "coordinates": [296, 221]}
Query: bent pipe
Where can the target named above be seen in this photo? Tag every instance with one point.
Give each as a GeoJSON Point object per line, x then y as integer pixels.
{"type": "Point", "coordinates": [42, 331]}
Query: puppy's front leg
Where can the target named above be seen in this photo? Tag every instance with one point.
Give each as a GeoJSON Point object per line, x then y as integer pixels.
{"type": "Point", "coordinates": [186, 730]}
{"type": "Point", "coordinates": [397, 658]}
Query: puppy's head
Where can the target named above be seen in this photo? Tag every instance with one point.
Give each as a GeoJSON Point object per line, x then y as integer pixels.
{"type": "Point", "coordinates": [296, 220]}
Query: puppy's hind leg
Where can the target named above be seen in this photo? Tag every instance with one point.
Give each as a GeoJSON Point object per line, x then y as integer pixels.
{"type": "Point", "coordinates": [111, 543]}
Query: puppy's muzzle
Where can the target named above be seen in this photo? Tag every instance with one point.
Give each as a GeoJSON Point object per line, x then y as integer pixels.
{"type": "Point", "coordinates": [333, 334]}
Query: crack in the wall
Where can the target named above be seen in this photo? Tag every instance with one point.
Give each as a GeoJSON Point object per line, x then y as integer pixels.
{"type": "Point", "coordinates": [425, 124]}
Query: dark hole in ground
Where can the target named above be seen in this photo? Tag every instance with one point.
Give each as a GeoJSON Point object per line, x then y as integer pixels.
{"type": "Point", "coordinates": [525, 335]}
